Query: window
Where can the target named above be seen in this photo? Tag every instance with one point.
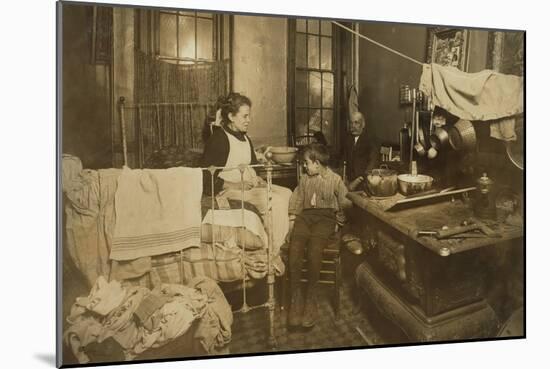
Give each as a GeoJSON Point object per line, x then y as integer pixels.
{"type": "Point", "coordinates": [184, 37]}
{"type": "Point", "coordinates": [187, 37]}
{"type": "Point", "coordinates": [312, 78]}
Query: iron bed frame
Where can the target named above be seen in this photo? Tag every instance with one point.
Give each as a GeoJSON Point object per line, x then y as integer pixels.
{"type": "Point", "coordinates": [270, 303]}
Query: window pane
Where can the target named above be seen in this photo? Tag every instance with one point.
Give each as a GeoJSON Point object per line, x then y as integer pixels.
{"type": "Point", "coordinates": [328, 90]}
{"type": "Point", "coordinates": [326, 28]}
{"type": "Point", "coordinates": [314, 89]}
{"type": "Point", "coordinates": [301, 89]}
{"type": "Point", "coordinates": [301, 122]}
{"type": "Point", "coordinates": [168, 35]}
{"type": "Point", "coordinates": [313, 26]}
{"type": "Point", "coordinates": [191, 14]}
{"type": "Point", "coordinates": [328, 125]}
{"type": "Point", "coordinates": [313, 51]}
{"type": "Point", "coordinates": [301, 50]}
{"type": "Point", "coordinates": [300, 25]}
{"type": "Point", "coordinates": [314, 120]}
{"type": "Point", "coordinates": [186, 37]}
{"type": "Point", "coordinates": [204, 39]}
{"type": "Point", "coordinates": [326, 53]}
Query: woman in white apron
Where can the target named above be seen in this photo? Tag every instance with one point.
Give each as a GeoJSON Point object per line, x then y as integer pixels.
{"type": "Point", "coordinates": [229, 146]}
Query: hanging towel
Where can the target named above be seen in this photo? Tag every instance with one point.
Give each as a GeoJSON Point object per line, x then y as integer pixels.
{"type": "Point", "coordinates": [353, 102]}
{"type": "Point", "coordinates": [505, 129]}
{"type": "Point", "coordinates": [157, 211]}
{"type": "Point", "coordinates": [482, 96]}
{"type": "Point", "coordinates": [90, 219]}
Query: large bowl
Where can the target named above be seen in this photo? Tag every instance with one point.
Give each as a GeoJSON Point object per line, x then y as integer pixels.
{"type": "Point", "coordinates": [283, 154]}
{"type": "Point", "coordinates": [410, 184]}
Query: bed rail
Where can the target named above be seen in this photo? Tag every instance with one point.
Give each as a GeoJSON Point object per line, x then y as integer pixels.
{"type": "Point", "coordinates": [268, 222]}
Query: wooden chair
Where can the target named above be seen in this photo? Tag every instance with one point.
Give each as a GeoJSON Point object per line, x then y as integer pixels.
{"type": "Point", "coordinates": [331, 273]}
{"type": "Point", "coordinates": [385, 153]}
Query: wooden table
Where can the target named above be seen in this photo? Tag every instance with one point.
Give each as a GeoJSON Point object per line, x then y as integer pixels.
{"type": "Point", "coordinates": [432, 289]}
{"type": "Point", "coordinates": [283, 175]}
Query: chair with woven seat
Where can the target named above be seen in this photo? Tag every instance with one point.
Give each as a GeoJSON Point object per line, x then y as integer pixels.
{"type": "Point", "coordinates": [331, 272]}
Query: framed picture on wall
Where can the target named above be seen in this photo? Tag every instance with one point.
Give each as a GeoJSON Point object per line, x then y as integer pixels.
{"type": "Point", "coordinates": [448, 46]}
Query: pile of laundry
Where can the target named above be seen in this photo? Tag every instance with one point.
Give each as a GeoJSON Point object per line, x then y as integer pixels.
{"type": "Point", "coordinates": [117, 322]}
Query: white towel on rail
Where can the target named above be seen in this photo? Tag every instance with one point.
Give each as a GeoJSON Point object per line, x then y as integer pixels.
{"type": "Point", "coordinates": [157, 211]}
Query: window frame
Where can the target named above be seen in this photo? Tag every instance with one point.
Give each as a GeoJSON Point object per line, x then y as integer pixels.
{"type": "Point", "coordinates": [336, 70]}
{"type": "Point", "coordinates": [148, 35]}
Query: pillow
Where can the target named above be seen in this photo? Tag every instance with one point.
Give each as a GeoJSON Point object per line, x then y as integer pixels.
{"type": "Point", "coordinates": [226, 233]}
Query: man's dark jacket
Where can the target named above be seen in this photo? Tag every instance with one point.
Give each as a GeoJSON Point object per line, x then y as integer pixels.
{"type": "Point", "coordinates": [361, 156]}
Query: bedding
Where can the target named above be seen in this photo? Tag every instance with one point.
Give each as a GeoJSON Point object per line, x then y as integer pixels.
{"type": "Point", "coordinates": [213, 261]}
{"type": "Point", "coordinates": [227, 229]}
{"type": "Point", "coordinates": [91, 220]}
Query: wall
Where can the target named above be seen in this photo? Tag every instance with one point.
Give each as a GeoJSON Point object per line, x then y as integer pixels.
{"type": "Point", "coordinates": [86, 115]}
{"type": "Point", "coordinates": [259, 72]}
{"type": "Point", "coordinates": [381, 73]}
{"type": "Point", "coordinates": [477, 58]}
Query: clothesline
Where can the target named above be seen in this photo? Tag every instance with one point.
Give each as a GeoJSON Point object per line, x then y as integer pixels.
{"type": "Point", "coordinates": [378, 44]}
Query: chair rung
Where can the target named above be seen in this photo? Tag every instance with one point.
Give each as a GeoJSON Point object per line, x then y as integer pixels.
{"type": "Point", "coordinates": [320, 281]}
{"type": "Point", "coordinates": [323, 262]}
{"type": "Point", "coordinates": [323, 272]}
{"type": "Point", "coordinates": [304, 271]}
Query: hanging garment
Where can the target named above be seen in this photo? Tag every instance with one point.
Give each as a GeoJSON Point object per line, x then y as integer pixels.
{"type": "Point", "coordinates": [482, 96]}
{"type": "Point", "coordinates": [505, 129]}
{"type": "Point", "coordinates": [353, 102]}
{"type": "Point", "coordinates": [89, 218]}
{"type": "Point", "coordinates": [158, 211]}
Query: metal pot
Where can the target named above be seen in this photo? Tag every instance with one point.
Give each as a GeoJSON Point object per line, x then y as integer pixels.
{"type": "Point", "coordinates": [440, 138]}
{"type": "Point", "coordinates": [462, 136]}
{"type": "Point", "coordinates": [381, 182]}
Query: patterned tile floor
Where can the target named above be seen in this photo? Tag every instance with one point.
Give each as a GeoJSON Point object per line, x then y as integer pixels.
{"type": "Point", "coordinates": [250, 330]}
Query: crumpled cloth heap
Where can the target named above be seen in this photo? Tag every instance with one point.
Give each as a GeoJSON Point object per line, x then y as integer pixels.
{"type": "Point", "coordinates": [139, 319]}
{"type": "Point", "coordinates": [487, 96]}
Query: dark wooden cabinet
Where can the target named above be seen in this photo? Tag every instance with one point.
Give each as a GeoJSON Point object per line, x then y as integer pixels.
{"type": "Point", "coordinates": [432, 289]}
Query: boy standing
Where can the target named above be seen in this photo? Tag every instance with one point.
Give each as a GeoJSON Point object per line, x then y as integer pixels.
{"type": "Point", "coordinates": [316, 205]}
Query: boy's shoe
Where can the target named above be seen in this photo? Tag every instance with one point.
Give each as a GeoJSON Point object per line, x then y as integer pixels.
{"type": "Point", "coordinates": [353, 244]}
{"type": "Point", "coordinates": [310, 311]}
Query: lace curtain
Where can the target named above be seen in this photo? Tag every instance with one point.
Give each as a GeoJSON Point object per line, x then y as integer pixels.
{"type": "Point", "coordinates": [174, 102]}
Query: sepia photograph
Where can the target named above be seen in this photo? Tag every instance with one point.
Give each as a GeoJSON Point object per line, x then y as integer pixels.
{"type": "Point", "coordinates": [237, 184]}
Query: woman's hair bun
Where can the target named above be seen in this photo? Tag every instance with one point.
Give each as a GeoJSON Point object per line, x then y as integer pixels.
{"type": "Point", "coordinates": [231, 103]}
